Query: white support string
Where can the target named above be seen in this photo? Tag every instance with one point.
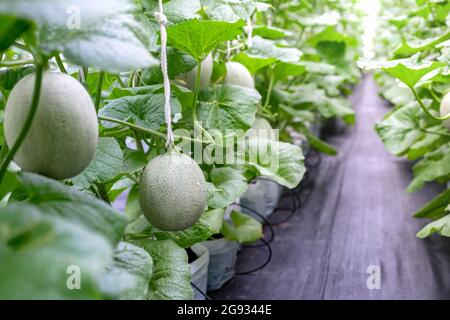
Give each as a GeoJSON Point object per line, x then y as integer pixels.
{"type": "Point", "coordinates": [162, 20]}
{"type": "Point", "coordinates": [249, 30]}
{"type": "Point", "coordinates": [228, 50]}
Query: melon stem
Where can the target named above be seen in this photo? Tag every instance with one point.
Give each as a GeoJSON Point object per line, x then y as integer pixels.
{"type": "Point", "coordinates": [148, 131]}
{"type": "Point", "coordinates": [28, 120]}
{"type": "Point", "coordinates": [425, 109]}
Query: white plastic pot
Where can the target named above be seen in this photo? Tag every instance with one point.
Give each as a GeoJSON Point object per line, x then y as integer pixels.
{"type": "Point", "coordinates": [199, 269]}
{"type": "Point", "coordinates": [262, 196]}
{"type": "Point", "coordinates": [222, 261]}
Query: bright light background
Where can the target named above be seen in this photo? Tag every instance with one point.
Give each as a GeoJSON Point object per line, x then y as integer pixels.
{"type": "Point", "coordinates": [371, 8]}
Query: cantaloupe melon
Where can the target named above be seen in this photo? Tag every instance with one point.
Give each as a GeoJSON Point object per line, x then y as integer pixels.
{"type": "Point", "coordinates": [172, 192]}
{"type": "Point", "coordinates": [63, 136]}
{"type": "Point", "coordinates": [238, 74]}
{"type": "Point", "coordinates": [205, 75]}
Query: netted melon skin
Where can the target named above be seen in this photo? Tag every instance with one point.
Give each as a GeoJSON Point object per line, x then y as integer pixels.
{"type": "Point", "coordinates": [172, 192]}
{"type": "Point", "coordinates": [63, 137]}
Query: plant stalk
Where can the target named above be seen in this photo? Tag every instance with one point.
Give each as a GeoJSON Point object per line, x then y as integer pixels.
{"type": "Point", "coordinates": [425, 109]}
{"type": "Point", "coordinates": [269, 90]}
{"type": "Point", "coordinates": [28, 120]}
{"type": "Point", "coordinates": [60, 63]}
{"type": "Point", "coordinates": [149, 131]}
{"type": "Point", "coordinates": [98, 94]}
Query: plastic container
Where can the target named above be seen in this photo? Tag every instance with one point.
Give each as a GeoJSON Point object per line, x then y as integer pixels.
{"type": "Point", "coordinates": [222, 261]}
{"type": "Point", "coordinates": [262, 196]}
{"type": "Point", "coordinates": [199, 269]}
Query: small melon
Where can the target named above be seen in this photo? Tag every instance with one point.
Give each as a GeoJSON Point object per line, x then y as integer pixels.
{"type": "Point", "coordinates": [63, 136]}
{"type": "Point", "coordinates": [261, 128]}
{"type": "Point", "coordinates": [205, 75]}
{"type": "Point", "coordinates": [172, 192]}
{"type": "Point", "coordinates": [445, 109]}
{"type": "Point", "coordinates": [238, 74]}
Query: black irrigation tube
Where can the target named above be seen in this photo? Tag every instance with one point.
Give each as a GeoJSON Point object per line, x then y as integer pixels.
{"type": "Point", "coordinates": [269, 258]}
{"type": "Point", "coordinates": [296, 204]}
{"type": "Point", "coordinates": [201, 291]}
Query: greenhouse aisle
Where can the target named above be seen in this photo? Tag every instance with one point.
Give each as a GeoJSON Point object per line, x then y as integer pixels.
{"type": "Point", "coordinates": [356, 216]}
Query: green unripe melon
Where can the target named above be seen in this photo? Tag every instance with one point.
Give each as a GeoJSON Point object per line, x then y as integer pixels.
{"type": "Point", "coordinates": [172, 192]}
{"type": "Point", "coordinates": [205, 75]}
{"type": "Point", "coordinates": [238, 74]}
{"type": "Point", "coordinates": [445, 109]}
{"type": "Point", "coordinates": [261, 128]}
{"type": "Point", "coordinates": [63, 137]}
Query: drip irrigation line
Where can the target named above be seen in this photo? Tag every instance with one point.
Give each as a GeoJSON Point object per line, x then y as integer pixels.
{"type": "Point", "coordinates": [269, 258]}
{"type": "Point", "coordinates": [295, 205]}
{"type": "Point", "coordinates": [296, 199]}
{"type": "Point", "coordinates": [201, 291]}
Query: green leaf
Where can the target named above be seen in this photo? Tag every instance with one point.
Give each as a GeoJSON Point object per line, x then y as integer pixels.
{"type": "Point", "coordinates": [112, 35]}
{"type": "Point", "coordinates": [329, 34]}
{"type": "Point", "coordinates": [407, 50]}
{"type": "Point", "coordinates": [441, 226]}
{"type": "Point", "coordinates": [143, 109]}
{"type": "Point", "coordinates": [107, 164]}
{"type": "Point", "coordinates": [319, 67]}
{"type": "Point", "coordinates": [200, 37]}
{"type": "Point", "coordinates": [55, 12]}
{"type": "Point", "coordinates": [432, 140]}
{"type": "Point", "coordinates": [227, 107]}
{"type": "Point", "coordinates": [264, 48]}
{"type": "Point", "coordinates": [208, 225]}
{"type": "Point", "coordinates": [434, 166]}
{"type": "Point", "coordinates": [134, 160]}
{"type": "Point", "coordinates": [117, 43]}
{"type": "Point", "coordinates": [177, 63]}
{"type": "Point", "coordinates": [253, 63]}
{"type": "Point", "coordinates": [132, 207]}
{"type": "Point", "coordinates": [442, 10]}
{"type": "Point", "coordinates": [176, 11]}
{"type": "Point", "coordinates": [316, 143]}
{"type": "Point", "coordinates": [436, 208]}
{"type": "Point", "coordinates": [270, 32]}
{"type": "Point", "coordinates": [409, 71]}
{"type": "Point", "coordinates": [129, 273]}
{"type": "Point", "coordinates": [243, 229]}
{"type": "Point", "coordinates": [230, 11]}
{"type": "Point", "coordinates": [10, 77]}
{"type": "Point", "coordinates": [311, 95]}
{"type": "Point", "coordinates": [40, 252]}
{"type": "Point", "coordinates": [229, 185]}
{"type": "Point", "coordinates": [56, 199]}
{"type": "Point", "coordinates": [171, 278]}
{"type": "Point", "coordinates": [10, 29]}
{"type": "Point", "coordinates": [284, 70]}
{"type": "Point", "coordinates": [401, 129]}
{"type": "Point", "coordinates": [305, 115]}
{"type": "Point", "coordinates": [280, 161]}
{"type": "Point", "coordinates": [9, 183]}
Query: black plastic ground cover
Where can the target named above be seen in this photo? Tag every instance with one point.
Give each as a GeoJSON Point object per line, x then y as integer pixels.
{"type": "Point", "coordinates": [355, 222]}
